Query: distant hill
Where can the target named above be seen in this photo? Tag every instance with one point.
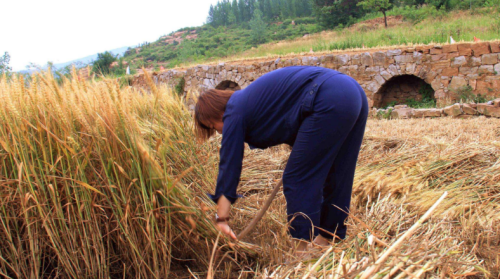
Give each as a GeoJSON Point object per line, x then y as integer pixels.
{"type": "Point", "coordinates": [88, 59]}
{"type": "Point", "coordinates": [85, 60]}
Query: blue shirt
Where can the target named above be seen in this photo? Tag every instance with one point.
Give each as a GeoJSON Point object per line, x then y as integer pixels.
{"type": "Point", "coordinates": [266, 113]}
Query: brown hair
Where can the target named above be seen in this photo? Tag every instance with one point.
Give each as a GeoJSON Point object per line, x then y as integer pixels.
{"type": "Point", "coordinates": [210, 107]}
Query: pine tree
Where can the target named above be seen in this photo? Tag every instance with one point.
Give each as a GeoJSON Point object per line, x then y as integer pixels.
{"type": "Point", "coordinates": [225, 8]}
{"type": "Point", "coordinates": [291, 8]}
{"type": "Point", "coordinates": [258, 27]}
{"type": "Point", "coordinates": [231, 18]}
{"type": "Point", "coordinates": [241, 8]}
{"type": "Point", "coordinates": [275, 8]}
{"type": "Point", "coordinates": [216, 17]}
{"type": "Point", "coordinates": [235, 11]}
{"type": "Point", "coordinates": [302, 7]}
{"type": "Point", "coordinates": [285, 8]}
{"type": "Point", "coordinates": [267, 9]}
{"type": "Point", "coordinates": [331, 13]}
{"type": "Point", "coordinates": [307, 8]}
{"type": "Point", "coordinates": [248, 10]}
{"type": "Point", "coordinates": [251, 7]}
{"type": "Point", "coordinates": [211, 12]}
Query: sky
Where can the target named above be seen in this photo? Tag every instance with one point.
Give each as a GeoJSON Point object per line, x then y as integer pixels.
{"type": "Point", "coordinates": [38, 31]}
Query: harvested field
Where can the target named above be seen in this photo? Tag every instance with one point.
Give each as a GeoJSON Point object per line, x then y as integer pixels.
{"type": "Point", "coordinates": [403, 168]}
{"type": "Point", "coordinates": [99, 181]}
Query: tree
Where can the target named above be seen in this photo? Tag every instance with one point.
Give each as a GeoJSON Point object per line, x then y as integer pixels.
{"type": "Point", "coordinates": [292, 12]}
{"type": "Point", "coordinates": [377, 5]}
{"type": "Point", "coordinates": [235, 11]}
{"type": "Point", "coordinates": [267, 9]}
{"type": "Point", "coordinates": [275, 9]}
{"type": "Point", "coordinates": [258, 27]}
{"type": "Point", "coordinates": [446, 3]}
{"type": "Point", "coordinates": [4, 63]}
{"type": "Point", "coordinates": [251, 8]}
{"type": "Point", "coordinates": [103, 63]}
{"type": "Point", "coordinates": [332, 13]}
{"type": "Point", "coordinates": [242, 7]}
{"type": "Point", "coordinates": [231, 18]}
{"type": "Point", "coordinates": [302, 8]}
{"type": "Point", "coordinates": [211, 13]}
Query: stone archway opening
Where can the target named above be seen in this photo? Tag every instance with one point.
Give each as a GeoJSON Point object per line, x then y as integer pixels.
{"type": "Point", "coordinates": [403, 89]}
{"type": "Point", "coordinates": [228, 85]}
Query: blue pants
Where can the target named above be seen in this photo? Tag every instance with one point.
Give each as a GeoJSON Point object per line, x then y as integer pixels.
{"type": "Point", "coordinates": [320, 171]}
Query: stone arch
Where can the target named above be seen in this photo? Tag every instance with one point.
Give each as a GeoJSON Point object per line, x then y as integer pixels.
{"type": "Point", "coordinates": [398, 89]}
{"type": "Point", "coordinates": [228, 85]}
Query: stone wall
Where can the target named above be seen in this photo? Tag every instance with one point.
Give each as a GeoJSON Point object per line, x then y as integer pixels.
{"type": "Point", "coordinates": [449, 69]}
{"type": "Point", "coordinates": [458, 110]}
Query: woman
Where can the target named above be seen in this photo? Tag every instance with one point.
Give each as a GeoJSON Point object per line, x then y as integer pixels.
{"type": "Point", "coordinates": [321, 113]}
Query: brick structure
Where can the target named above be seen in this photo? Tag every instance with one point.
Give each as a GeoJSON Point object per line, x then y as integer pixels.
{"type": "Point", "coordinates": [449, 69]}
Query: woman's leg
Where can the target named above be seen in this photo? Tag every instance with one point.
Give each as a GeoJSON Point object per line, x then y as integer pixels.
{"type": "Point", "coordinates": [320, 138]}
{"type": "Point", "coordinates": [338, 185]}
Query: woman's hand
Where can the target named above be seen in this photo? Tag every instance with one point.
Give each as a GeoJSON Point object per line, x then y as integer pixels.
{"type": "Point", "coordinates": [223, 209]}
{"type": "Point", "coordinates": [224, 227]}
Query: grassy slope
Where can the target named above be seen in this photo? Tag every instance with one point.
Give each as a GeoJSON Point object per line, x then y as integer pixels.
{"type": "Point", "coordinates": [214, 43]}
{"type": "Point", "coordinates": [461, 25]}
{"type": "Point", "coordinates": [230, 43]}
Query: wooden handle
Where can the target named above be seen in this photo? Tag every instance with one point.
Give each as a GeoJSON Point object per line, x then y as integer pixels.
{"type": "Point", "coordinates": [261, 212]}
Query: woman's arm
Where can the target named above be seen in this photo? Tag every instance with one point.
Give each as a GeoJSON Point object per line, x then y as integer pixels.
{"type": "Point", "coordinates": [223, 207]}
{"type": "Point", "coordinates": [231, 157]}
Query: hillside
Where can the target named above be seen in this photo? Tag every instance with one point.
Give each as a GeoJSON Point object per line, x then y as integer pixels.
{"type": "Point", "coordinates": [460, 25]}
{"type": "Point", "coordinates": [198, 44]}
{"type": "Point", "coordinates": [205, 44]}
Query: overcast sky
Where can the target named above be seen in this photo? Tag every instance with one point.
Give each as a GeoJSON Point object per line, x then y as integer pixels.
{"type": "Point", "coordinates": [60, 31]}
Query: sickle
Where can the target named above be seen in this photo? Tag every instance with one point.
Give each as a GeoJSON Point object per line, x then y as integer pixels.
{"type": "Point", "coordinates": [261, 212]}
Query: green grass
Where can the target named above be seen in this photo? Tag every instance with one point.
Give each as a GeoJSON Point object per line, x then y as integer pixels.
{"type": "Point", "coordinates": [461, 25]}
{"type": "Point", "coordinates": [425, 25]}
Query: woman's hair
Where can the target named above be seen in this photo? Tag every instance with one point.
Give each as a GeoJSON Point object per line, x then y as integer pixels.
{"type": "Point", "coordinates": [210, 107]}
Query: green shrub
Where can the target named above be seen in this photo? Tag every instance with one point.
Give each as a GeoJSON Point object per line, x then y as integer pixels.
{"type": "Point", "coordinates": [415, 15]}
{"type": "Point", "coordinates": [391, 104]}
{"type": "Point", "coordinates": [306, 20]}
{"type": "Point", "coordinates": [427, 101]}
{"type": "Point", "coordinates": [103, 62]}
{"type": "Point", "coordinates": [384, 115]}
{"type": "Point", "coordinates": [125, 81]}
{"type": "Point", "coordinates": [466, 96]}
{"type": "Point", "coordinates": [179, 87]}
{"type": "Point", "coordinates": [492, 3]}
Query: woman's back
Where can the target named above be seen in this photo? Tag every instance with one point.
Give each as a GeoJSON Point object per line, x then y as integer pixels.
{"type": "Point", "coordinates": [271, 105]}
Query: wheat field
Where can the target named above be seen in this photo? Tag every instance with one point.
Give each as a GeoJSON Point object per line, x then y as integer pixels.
{"type": "Point", "coordinates": [100, 181]}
